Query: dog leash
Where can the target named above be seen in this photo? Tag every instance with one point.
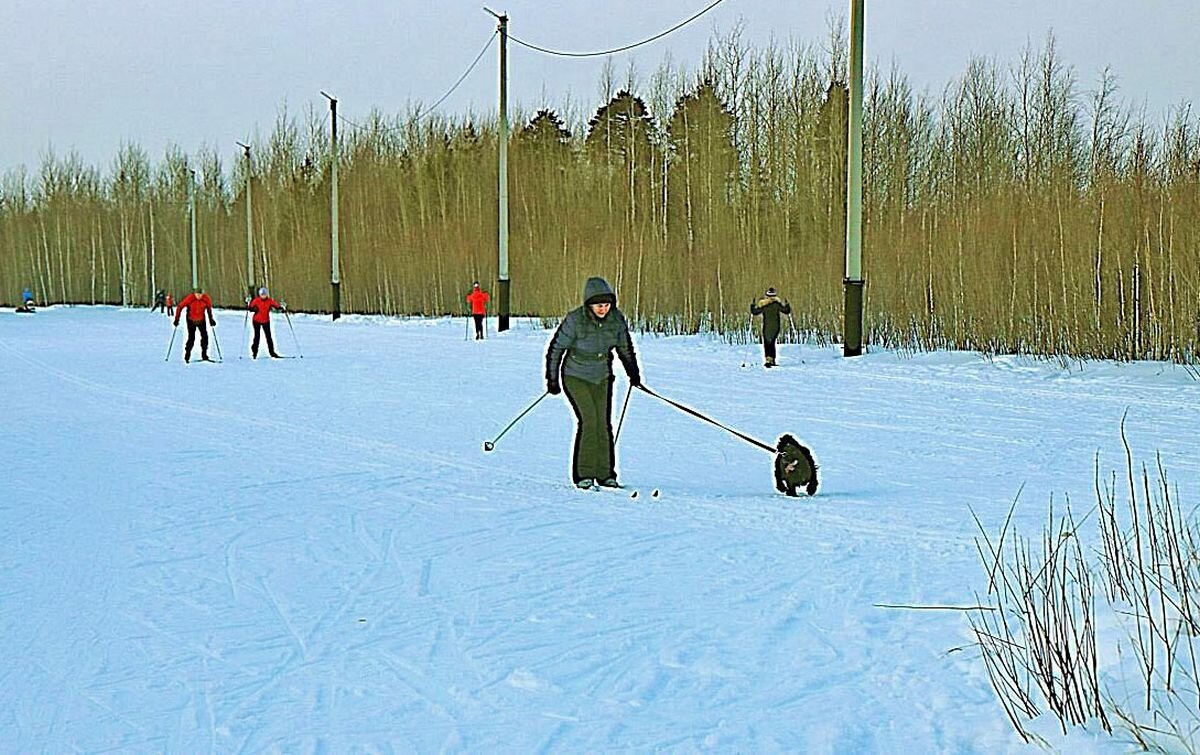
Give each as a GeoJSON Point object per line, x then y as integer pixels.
{"type": "Point", "coordinates": [694, 413]}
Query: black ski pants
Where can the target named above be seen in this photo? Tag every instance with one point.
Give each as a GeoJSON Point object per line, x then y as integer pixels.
{"type": "Point", "coordinates": [594, 456]}
{"type": "Point", "coordinates": [263, 328]}
{"type": "Point", "coordinates": [769, 348]}
{"type": "Point", "coordinates": [769, 336]}
{"type": "Point", "coordinates": [478, 326]}
{"type": "Point", "coordinates": [193, 326]}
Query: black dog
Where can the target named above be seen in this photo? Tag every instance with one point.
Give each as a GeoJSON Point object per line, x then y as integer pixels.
{"type": "Point", "coordinates": [794, 467]}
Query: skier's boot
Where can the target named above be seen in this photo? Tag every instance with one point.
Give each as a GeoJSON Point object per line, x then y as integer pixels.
{"type": "Point", "coordinates": [608, 482]}
{"type": "Point", "coordinates": [585, 484]}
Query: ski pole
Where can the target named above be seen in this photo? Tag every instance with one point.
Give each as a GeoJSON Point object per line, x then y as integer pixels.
{"type": "Point", "coordinates": [467, 330]}
{"type": "Point", "coordinates": [295, 340]}
{"type": "Point", "coordinates": [171, 345]}
{"type": "Point", "coordinates": [488, 445]}
{"type": "Point", "coordinates": [621, 421]}
{"type": "Point", "coordinates": [710, 420]}
{"type": "Point", "coordinates": [750, 338]}
{"type": "Point", "coordinates": [216, 342]}
{"type": "Point", "coordinates": [795, 337]}
{"type": "Point", "coordinates": [245, 322]}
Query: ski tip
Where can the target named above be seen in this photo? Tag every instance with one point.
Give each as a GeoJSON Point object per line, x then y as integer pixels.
{"type": "Point", "coordinates": [634, 494]}
{"type": "Point", "coordinates": [654, 494]}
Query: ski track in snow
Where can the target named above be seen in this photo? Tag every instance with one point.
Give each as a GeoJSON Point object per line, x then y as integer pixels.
{"type": "Point", "coordinates": [316, 555]}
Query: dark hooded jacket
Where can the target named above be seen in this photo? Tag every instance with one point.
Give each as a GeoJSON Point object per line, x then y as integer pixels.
{"type": "Point", "coordinates": [770, 307]}
{"type": "Point", "coordinates": [583, 345]}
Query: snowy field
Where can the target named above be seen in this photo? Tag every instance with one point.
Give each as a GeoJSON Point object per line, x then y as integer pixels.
{"type": "Point", "coordinates": [315, 555]}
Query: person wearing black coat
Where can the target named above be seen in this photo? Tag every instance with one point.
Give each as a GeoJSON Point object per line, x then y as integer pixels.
{"type": "Point", "coordinates": [770, 306]}
{"type": "Point", "coordinates": [579, 361]}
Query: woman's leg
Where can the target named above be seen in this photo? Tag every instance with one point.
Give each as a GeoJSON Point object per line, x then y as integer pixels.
{"type": "Point", "coordinates": [593, 451]}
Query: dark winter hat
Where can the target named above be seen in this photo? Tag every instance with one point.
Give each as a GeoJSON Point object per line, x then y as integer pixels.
{"type": "Point", "coordinates": [597, 290]}
{"type": "Point", "coordinates": [771, 291]}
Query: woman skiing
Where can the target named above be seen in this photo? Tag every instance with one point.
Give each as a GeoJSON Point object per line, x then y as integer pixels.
{"type": "Point", "coordinates": [261, 306]}
{"type": "Point", "coordinates": [579, 362]}
{"type": "Point", "coordinates": [478, 299]}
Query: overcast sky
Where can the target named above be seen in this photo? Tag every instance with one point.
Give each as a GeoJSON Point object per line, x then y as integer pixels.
{"type": "Point", "coordinates": [88, 74]}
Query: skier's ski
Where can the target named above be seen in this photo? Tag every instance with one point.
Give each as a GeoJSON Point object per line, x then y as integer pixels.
{"type": "Point", "coordinates": [633, 493]}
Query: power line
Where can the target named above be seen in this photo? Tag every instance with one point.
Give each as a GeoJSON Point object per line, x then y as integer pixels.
{"type": "Point", "coordinates": [623, 48]}
{"type": "Point", "coordinates": [468, 71]}
{"type": "Point", "coordinates": [449, 92]}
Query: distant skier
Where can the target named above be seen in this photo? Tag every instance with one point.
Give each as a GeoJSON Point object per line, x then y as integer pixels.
{"type": "Point", "coordinates": [581, 352]}
{"type": "Point", "coordinates": [770, 306]}
{"type": "Point", "coordinates": [478, 299]}
{"type": "Point", "coordinates": [170, 307]}
{"type": "Point", "coordinates": [261, 306]}
{"type": "Point", "coordinates": [198, 305]}
{"type": "Point", "coordinates": [27, 298]}
{"type": "Point", "coordinates": [160, 301]}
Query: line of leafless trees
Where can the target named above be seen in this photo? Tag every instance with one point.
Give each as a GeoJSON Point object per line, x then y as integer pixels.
{"type": "Point", "coordinates": [1019, 210]}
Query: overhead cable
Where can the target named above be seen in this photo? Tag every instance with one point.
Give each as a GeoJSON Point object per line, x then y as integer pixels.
{"type": "Point", "coordinates": [623, 48]}
{"type": "Point", "coordinates": [449, 92]}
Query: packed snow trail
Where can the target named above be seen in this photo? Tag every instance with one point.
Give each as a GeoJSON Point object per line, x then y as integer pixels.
{"type": "Point", "coordinates": [316, 555]}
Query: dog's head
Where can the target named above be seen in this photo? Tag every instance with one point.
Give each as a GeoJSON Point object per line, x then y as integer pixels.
{"type": "Point", "coordinates": [786, 442]}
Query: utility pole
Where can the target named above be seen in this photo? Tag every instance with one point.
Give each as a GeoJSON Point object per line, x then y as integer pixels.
{"type": "Point", "coordinates": [192, 223]}
{"type": "Point", "coordinates": [504, 290]}
{"type": "Point", "coordinates": [335, 278]}
{"type": "Point", "coordinates": [249, 225]}
{"type": "Point", "coordinates": [853, 282]}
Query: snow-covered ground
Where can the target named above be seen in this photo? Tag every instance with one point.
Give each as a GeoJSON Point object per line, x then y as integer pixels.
{"type": "Point", "coordinates": [315, 555]}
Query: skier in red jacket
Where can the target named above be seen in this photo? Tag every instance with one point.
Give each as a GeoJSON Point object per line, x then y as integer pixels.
{"type": "Point", "coordinates": [478, 299]}
{"type": "Point", "coordinates": [261, 306]}
{"type": "Point", "coordinates": [197, 304]}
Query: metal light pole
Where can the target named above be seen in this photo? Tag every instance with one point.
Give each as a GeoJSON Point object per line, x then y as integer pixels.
{"type": "Point", "coordinates": [192, 223]}
{"type": "Point", "coordinates": [335, 279]}
{"type": "Point", "coordinates": [853, 281]}
{"type": "Point", "coordinates": [249, 225]}
{"type": "Point", "coordinates": [504, 283]}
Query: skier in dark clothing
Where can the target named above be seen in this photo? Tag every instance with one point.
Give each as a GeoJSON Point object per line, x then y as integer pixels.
{"type": "Point", "coordinates": [581, 353]}
{"type": "Point", "coordinates": [261, 306]}
{"type": "Point", "coordinates": [198, 304]}
{"type": "Point", "coordinates": [160, 300]}
{"type": "Point", "coordinates": [770, 306]}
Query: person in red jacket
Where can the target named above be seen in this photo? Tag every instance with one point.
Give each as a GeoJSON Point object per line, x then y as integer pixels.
{"type": "Point", "coordinates": [261, 306]}
{"type": "Point", "coordinates": [478, 299]}
{"type": "Point", "coordinates": [198, 304]}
